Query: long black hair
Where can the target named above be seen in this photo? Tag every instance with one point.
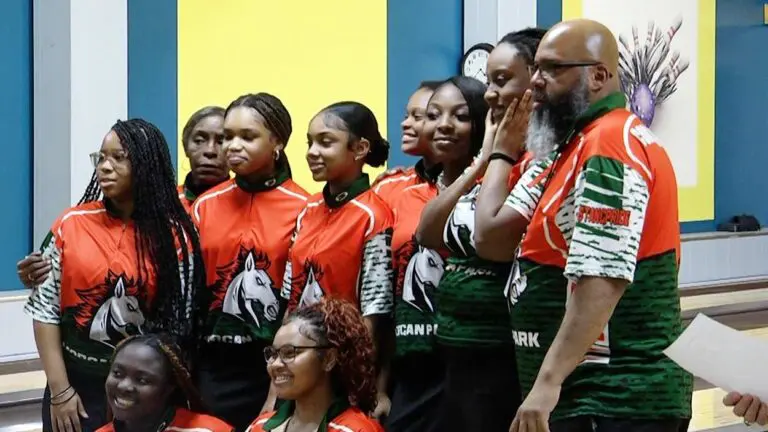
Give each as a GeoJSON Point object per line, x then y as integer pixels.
{"type": "Point", "coordinates": [165, 233]}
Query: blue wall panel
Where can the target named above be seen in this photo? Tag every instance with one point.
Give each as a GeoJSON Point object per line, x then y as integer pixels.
{"type": "Point", "coordinates": [152, 65]}
{"type": "Point", "coordinates": [548, 12]}
{"type": "Point", "coordinates": [424, 42]}
{"type": "Point", "coordinates": [741, 111]}
{"type": "Point", "coordinates": [16, 121]}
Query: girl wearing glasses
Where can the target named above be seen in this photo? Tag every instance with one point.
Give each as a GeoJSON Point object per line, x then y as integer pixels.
{"type": "Point", "coordinates": [202, 138]}
{"type": "Point", "coordinates": [322, 365]}
{"type": "Point", "coordinates": [119, 265]}
{"type": "Point", "coordinates": [149, 389]}
{"type": "Point", "coordinates": [245, 227]}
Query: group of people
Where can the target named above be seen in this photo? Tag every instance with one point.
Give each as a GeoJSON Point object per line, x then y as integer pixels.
{"type": "Point", "coordinates": [521, 276]}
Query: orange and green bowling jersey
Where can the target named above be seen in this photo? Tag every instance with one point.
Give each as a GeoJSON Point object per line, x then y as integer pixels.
{"type": "Point", "coordinates": [342, 248]}
{"type": "Point", "coordinates": [339, 418]}
{"type": "Point", "coordinates": [186, 197]}
{"type": "Point", "coordinates": [606, 207]}
{"type": "Point", "coordinates": [97, 293]}
{"type": "Point", "coordinates": [390, 187]}
{"type": "Point", "coordinates": [470, 298]}
{"type": "Point", "coordinates": [417, 273]}
{"type": "Point", "coordinates": [183, 420]}
{"type": "Point", "coordinates": [245, 234]}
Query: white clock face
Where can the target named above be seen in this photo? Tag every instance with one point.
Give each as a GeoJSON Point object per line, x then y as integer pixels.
{"type": "Point", "coordinates": [475, 65]}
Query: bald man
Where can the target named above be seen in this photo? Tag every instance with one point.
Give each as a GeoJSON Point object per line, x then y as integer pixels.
{"type": "Point", "coordinates": [595, 299]}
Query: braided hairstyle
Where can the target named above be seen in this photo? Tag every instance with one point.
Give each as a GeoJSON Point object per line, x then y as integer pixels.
{"type": "Point", "coordinates": [276, 117]}
{"type": "Point", "coordinates": [526, 42]}
{"type": "Point", "coordinates": [162, 226]}
{"type": "Point", "coordinates": [337, 323]}
{"type": "Point", "coordinates": [92, 192]}
{"type": "Point", "coordinates": [185, 395]}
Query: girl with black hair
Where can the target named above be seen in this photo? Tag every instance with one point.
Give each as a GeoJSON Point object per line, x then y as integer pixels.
{"type": "Point", "coordinates": [482, 390]}
{"type": "Point", "coordinates": [418, 371]}
{"type": "Point", "coordinates": [246, 225]}
{"type": "Point", "coordinates": [389, 185]}
{"type": "Point", "coordinates": [149, 389]}
{"type": "Point", "coordinates": [322, 365]}
{"type": "Point", "coordinates": [341, 246]}
{"type": "Point", "coordinates": [202, 138]}
{"type": "Point", "coordinates": [121, 265]}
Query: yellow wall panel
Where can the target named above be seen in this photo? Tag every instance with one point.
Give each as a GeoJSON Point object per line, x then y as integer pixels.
{"type": "Point", "coordinates": [308, 53]}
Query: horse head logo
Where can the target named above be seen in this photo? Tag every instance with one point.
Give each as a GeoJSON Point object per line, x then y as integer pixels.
{"type": "Point", "coordinates": [422, 275]}
{"type": "Point", "coordinates": [312, 291]}
{"type": "Point", "coordinates": [250, 296]}
{"type": "Point", "coordinates": [117, 318]}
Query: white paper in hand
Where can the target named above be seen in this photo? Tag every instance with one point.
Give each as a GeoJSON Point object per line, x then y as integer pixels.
{"type": "Point", "coordinates": [723, 356]}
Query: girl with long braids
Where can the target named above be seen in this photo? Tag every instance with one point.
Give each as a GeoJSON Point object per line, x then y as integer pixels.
{"type": "Point", "coordinates": [389, 185]}
{"type": "Point", "coordinates": [322, 365]}
{"type": "Point", "coordinates": [149, 389]}
{"type": "Point", "coordinates": [482, 390]}
{"type": "Point", "coordinates": [125, 264]}
{"type": "Point", "coordinates": [245, 226]}
{"type": "Point", "coordinates": [341, 246]}
{"type": "Point", "coordinates": [201, 137]}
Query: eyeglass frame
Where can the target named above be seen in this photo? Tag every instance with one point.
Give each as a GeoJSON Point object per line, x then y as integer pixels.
{"type": "Point", "coordinates": [95, 156]}
{"type": "Point", "coordinates": [269, 358]}
{"type": "Point", "coordinates": [556, 66]}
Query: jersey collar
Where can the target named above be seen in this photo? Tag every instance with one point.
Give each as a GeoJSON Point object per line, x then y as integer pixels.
{"type": "Point", "coordinates": [165, 421]}
{"type": "Point", "coordinates": [285, 411]}
{"type": "Point", "coordinates": [357, 187]}
{"type": "Point", "coordinates": [598, 109]}
{"type": "Point", "coordinates": [191, 190]}
{"type": "Point", "coordinates": [430, 174]}
{"type": "Point", "coordinates": [282, 174]}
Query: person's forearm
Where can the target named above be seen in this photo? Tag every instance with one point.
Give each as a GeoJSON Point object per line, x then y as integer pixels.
{"type": "Point", "coordinates": [588, 310]}
{"type": "Point", "coordinates": [436, 213]}
{"type": "Point", "coordinates": [495, 239]}
{"type": "Point", "coordinates": [48, 340]}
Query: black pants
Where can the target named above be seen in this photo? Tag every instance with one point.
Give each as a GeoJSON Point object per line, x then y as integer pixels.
{"type": "Point", "coordinates": [90, 389]}
{"type": "Point", "coordinates": [417, 392]}
{"type": "Point", "coordinates": [233, 381]}
{"type": "Point", "coordinates": [602, 424]}
{"type": "Point", "coordinates": [482, 391]}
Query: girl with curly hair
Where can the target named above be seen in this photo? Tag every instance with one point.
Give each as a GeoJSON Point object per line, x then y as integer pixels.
{"type": "Point", "coordinates": [149, 388]}
{"type": "Point", "coordinates": [322, 365]}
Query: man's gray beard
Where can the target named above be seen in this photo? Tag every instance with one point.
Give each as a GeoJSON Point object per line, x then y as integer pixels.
{"type": "Point", "coordinates": [550, 124]}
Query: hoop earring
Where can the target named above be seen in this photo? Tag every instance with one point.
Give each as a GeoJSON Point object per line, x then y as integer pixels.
{"type": "Point", "coordinates": [277, 155]}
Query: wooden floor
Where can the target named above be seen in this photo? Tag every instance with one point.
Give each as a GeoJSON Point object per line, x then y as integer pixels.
{"type": "Point", "coordinates": [709, 413]}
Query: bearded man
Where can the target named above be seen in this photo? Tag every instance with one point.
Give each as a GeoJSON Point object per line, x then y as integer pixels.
{"type": "Point", "coordinates": [595, 298]}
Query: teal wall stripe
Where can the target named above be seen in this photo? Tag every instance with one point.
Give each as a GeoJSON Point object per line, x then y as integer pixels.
{"type": "Point", "coordinates": [16, 112]}
{"type": "Point", "coordinates": [418, 49]}
{"type": "Point", "coordinates": [548, 12]}
{"type": "Point", "coordinates": [152, 65]}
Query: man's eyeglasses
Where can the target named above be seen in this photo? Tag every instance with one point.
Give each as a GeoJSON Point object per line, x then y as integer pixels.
{"type": "Point", "coordinates": [550, 69]}
{"type": "Point", "coordinates": [288, 353]}
{"type": "Point", "coordinates": [116, 158]}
